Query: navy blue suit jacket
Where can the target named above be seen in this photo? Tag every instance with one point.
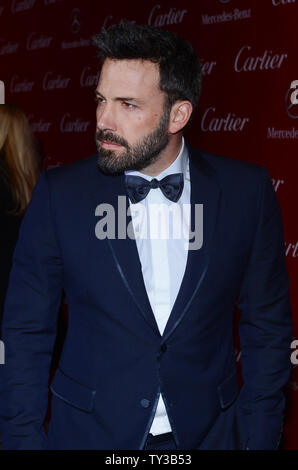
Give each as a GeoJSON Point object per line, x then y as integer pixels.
{"type": "Point", "coordinates": [114, 361]}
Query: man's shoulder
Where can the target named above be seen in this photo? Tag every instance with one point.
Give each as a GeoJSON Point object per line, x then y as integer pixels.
{"type": "Point", "coordinates": [78, 168]}
{"type": "Point", "coordinates": [228, 169]}
{"type": "Point", "coordinates": [80, 175]}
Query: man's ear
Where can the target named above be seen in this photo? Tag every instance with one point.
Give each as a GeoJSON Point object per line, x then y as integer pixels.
{"type": "Point", "coordinates": [180, 115]}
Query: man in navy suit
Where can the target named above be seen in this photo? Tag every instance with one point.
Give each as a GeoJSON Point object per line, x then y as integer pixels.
{"type": "Point", "coordinates": [148, 360]}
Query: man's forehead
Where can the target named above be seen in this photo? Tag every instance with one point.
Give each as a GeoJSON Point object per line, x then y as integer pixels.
{"type": "Point", "coordinates": [126, 72]}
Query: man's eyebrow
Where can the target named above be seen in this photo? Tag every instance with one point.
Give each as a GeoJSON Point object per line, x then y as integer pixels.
{"type": "Point", "coordinates": [121, 98]}
{"type": "Point", "coordinates": [98, 94]}
{"type": "Point", "coordinates": [128, 98]}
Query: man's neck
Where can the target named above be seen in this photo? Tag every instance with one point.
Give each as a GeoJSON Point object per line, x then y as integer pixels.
{"type": "Point", "coordinates": [166, 157]}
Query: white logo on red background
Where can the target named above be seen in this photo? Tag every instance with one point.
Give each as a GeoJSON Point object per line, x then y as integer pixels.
{"type": "Point", "coordinates": [224, 17]}
{"type": "Point", "coordinates": [294, 94]}
{"type": "Point", "coordinates": [291, 105]}
{"type": "Point", "coordinates": [277, 183]}
{"type": "Point", "coordinates": [75, 22]}
{"type": "Point", "coordinates": [38, 125]}
{"type": "Point", "coordinates": [292, 249]}
{"type": "Point", "coordinates": [246, 62]}
{"type": "Point", "coordinates": [52, 81]}
{"type": "Point", "coordinates": [207, 67]}
{"type": "Point", "coordinates": [35, 41]}
{"type": "Point", "coordinates": [8, 48]}
{"type": "Point", "coordinates": [69, 124]}
{"type": "Point", "coordinates": [292, 100]}
{"type": "Point", "coordinates": [281, 134]}
{"type": "Point", "coordinates": [17, 86]}
{"type": "Point", "coordinates": [211, 122]}
{"type": "Point", "coordinates": [50, 2]}
{"type": "Point", "coordinates": [107, 24]}
{"type": "Point", "coordinates": [172, 16]}
{"type": "Point", "coordinates": [276, 3]}
{"type": "Point", "coordinates": [74, 44]}
{"type": "Point", "coordinates": [18, 6]}
{"type": "Point", "coordinates": [89, 79]}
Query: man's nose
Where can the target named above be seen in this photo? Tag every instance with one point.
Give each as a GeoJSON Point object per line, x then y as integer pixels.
{"type": "Point", "coordinates": [105, 117]}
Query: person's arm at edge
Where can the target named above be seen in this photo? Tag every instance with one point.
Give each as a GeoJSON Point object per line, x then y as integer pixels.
{"type": "Point", "coordinates": [265, 328]}
{"type": "Point", "coordinates": [29, 325]}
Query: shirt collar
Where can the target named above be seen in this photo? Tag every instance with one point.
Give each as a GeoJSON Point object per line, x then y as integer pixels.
{"type": "Point", "coordinates": [179, 165]}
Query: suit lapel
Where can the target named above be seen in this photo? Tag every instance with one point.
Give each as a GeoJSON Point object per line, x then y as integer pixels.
{"type": "Point", "coordinates": [124, 251]}
{"type": "Point", "coordinates": [204, 190]}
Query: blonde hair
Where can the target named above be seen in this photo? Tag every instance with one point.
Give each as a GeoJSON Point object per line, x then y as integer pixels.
{"type": "Point", "coordinates": [19, 164]}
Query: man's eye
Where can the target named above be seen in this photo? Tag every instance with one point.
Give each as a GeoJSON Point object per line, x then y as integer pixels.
{"type": "Point", "coordinates": [129, 105]}
{"type": "Point", "coordinates": [98, 100]}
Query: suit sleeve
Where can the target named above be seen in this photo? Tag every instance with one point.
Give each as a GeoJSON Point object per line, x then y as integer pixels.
{"type": "Point", "coordinates": [265, 328]}
{"type": "Point", "coordinates": [29, 325]}
{"type": "Point", "coordinates": [9, 228]}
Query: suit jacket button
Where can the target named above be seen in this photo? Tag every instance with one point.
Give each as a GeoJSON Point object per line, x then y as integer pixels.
{"type": "Point", "coordinates": [145, 403]}
{"type": "Point", "coordinates": [163, 347]}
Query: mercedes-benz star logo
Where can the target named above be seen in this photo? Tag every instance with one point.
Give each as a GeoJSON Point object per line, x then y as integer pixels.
{"type": "Point", "coordinates": [75, 24]}
{"type": "Point", "coordinates": [292, 100]}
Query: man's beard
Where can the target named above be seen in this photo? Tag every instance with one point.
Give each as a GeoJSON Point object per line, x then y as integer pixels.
{"type": "Point", "coordinates": [134, 157]}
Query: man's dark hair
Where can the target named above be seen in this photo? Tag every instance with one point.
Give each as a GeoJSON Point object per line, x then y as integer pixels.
{"type": "Point", "coordinates": [179, 66]}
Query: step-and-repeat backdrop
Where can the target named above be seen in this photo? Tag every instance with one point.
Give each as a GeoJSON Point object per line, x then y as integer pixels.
{"type": "Point", "coordinates": [248, 109]}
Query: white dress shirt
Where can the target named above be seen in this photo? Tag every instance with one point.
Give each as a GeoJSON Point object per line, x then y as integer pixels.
{"type": "Point", "coordinates": [162, 241]}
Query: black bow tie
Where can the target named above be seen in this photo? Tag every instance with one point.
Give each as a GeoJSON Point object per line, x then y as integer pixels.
{"type": "Point", "coordinates": [138, 188]}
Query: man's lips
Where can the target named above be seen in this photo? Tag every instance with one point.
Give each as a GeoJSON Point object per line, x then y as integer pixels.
{"type": "Point", "coordinates": [108, 144]}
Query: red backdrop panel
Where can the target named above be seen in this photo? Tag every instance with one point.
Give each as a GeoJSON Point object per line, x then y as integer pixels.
{"type": "Point", "coordinates": [248, 108]}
